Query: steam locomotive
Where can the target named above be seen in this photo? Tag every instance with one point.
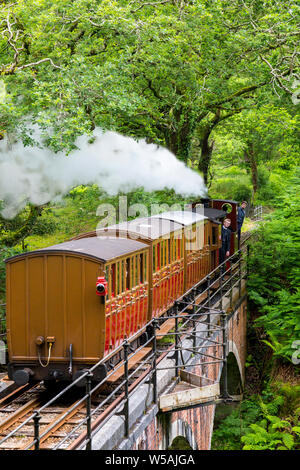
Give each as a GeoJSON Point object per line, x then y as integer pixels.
{"type": "Point", "coordinates": [72, 304]}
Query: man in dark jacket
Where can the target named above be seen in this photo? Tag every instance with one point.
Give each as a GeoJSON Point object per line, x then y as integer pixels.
{"type": "Point", "coordinates": [240, 220]}
{"type": "Point", "coordinates": [225, 237]}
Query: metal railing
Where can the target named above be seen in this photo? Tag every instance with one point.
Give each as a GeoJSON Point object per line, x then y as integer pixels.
{"type": "Point", "coordinates": [257, 212]}
{"type": "Point", "coordinates": [3, 339]}
{"type": "Point", "coordinates": [188, 315]}
{"type": "Point", "coordinates": [2, 322]}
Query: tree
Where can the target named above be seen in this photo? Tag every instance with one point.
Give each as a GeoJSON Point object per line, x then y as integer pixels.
{"type": "Point", "coordinates": [13, 232]}
{"type": "Point", "coordinates": [169, 71]}
{"type": "Point", "coordinates": [161, 70]}
{"type": "Point", "coordinates": [268, 135]}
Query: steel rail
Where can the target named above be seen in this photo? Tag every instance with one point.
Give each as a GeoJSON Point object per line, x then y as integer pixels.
{"type": "Point", "coordinates": [191, 291]}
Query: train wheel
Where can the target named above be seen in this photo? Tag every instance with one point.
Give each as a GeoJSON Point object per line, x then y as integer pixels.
{"type": "Point", "coordinates": [55, 387]}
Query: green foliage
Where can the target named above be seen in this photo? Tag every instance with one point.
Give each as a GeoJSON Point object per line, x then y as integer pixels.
{"type": "Point", "coordinates": [228, 434]}
{"type": "Point", "coordinates": [4, 254]}
{"type": "Point", "coordinates": [180, 443]}
{"type": "Point", "coordinates": [273, 284]}
{"type": "Point", "coordinates": [231, 183]}
{"type": "Point", "coordinates": [46, 224]}
{"type": "Point", "coordinates": [271, 432]}
{"type": "Point", "coordinates": [261, 141]}
{"type": "Point", "coordinates": [269, 421]}
{"type": "Point", "coordinates": [167, 71]}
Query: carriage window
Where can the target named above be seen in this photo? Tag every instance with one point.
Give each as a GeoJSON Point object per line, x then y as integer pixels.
{"type": "Point", "coordinates": [227, 207]}
{"type": "Point", "coordinates": [113, 280]}
{"type": "Point", "coordinates": [127, 271]}
{"type": "Point", "coordinates": [117, 278]}
{"type": "Point", "coordinates": [135, 271]}
{"type": "Point", "coordinates": [131, 273]}
{"type": "Point", "coordinates": [214, 235]}
{"type": "Point", "coordinates": [145, 266]}
{"type": "Point", "coordinates": [174, 249]}
{"type": "Point", "coordinates": [180, 245]}
{"type": "Point", "coordinates": [201, 237]}
{"type": "Point", "coordinates": [163, 253]}
{"type": "Point", "coordinates": [142, 268]}
{"type": "Point", "coordinates": [122, 277]}
{"type": "Point", "coordinates": [158, 256]}
{"type": "Point", "coordinates": [107, 278]}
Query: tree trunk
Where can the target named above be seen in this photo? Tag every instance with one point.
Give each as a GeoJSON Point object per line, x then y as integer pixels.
{"type": "Point", "coordinates": [15, 237]}
{"type": "Point", "coordinates": [251, 162]}
{"type": "Point", "coordinates": [179, 141]}
{"type": "Point", "coordinates": [206, 153]}
{"type": "Point", "coordinates": [206, 148]}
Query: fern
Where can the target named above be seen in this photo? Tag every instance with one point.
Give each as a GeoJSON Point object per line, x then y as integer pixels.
{"type": "Point", "coordinates": [273, 283]}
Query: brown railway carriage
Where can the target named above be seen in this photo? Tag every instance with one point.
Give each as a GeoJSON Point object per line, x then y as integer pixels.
{"type": "Point", "coordinates": [184, 248]}
{"type": "Point", "coordinates": [54, 314]}
{"type": "Point", "coordinates": [166, 257]}
{"type": "Point", "coordinates": [51, 300]}
{"type": "Point", "coordinates": [199, 251]}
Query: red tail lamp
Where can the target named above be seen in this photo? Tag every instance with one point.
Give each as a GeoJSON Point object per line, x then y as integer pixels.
{"type": "Point", "coordinates": [101, 286]}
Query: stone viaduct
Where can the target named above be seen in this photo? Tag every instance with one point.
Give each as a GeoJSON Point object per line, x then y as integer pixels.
{"type": "Point", "coordinates": [153, 428]}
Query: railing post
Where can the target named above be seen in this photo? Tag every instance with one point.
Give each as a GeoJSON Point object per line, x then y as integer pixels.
{"type": "Point", "coordinates": [221, 287]}
{"type": "Point", "coordinates": [194, 324]}
{"type": "Point", "coordinates": [88, 387]}
{"type": "Point", "coordinates": [176, 340]}
{"type": "Point", "coordinates": [208, 290]}
{"type": "Point", "coordinates": [224, 347]}
{"type": "Point", "coordinates": [194, 300]}
{"type": "Point", "coordinates": [208, 300]}
{"type": "Point", "coordinates": [248, 257]}
{"type": "Point", "coordinates": [154, 371]}
{"type": "Point", "coordinates": [240, 273]}
{"type": "Point", "coordinates": [126, 404]}
{"type": "Point", "coordinates": [230, 277]}
{"type": "Point", "coordinates": [36, 421]}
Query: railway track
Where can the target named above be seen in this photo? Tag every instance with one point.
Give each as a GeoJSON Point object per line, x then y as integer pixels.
{"type": "Point", "coordinates": [57, 417]}
{"type": "Point", "coordinates": [55, 420]}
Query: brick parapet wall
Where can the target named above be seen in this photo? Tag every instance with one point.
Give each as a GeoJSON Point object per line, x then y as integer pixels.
{"type": "Point", "coordinates": [196, 424]}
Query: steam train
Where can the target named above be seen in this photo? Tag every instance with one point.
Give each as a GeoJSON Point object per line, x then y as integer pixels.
{"type": "Point", "coordinates": [72, 304]}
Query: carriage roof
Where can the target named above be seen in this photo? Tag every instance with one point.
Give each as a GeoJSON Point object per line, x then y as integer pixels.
{"type": "Point", "coordinates": [149, 228]}
{"type": "Point", "coordinates": [102, 249]}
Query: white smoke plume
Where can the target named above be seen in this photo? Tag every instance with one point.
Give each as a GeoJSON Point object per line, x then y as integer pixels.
{"type": "Point", "coordinates": [114, 162]}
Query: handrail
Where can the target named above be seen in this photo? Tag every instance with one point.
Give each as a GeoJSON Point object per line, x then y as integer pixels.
{"type": "Point", "coordinates": [218, 275]}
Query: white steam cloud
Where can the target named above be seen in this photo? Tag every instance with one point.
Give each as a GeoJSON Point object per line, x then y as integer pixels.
{"type": "Point", "coordinates": [114, 162]}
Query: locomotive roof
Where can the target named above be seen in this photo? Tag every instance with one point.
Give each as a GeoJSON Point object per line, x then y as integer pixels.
{"type": "Point", "coordinates": [226, 201]}
{"type": "Point", "coordinates": [149, 228]}
{"type": "Point", "coordinates": [214, 214]}
{"type": "Point", "coordinates": [103, 249]}
{"type": "Point", "coordinates": [182, 217]}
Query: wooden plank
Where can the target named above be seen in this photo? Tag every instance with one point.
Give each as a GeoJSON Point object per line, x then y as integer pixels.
{"type": "Point", "coordinates": [186, 395]}
{"type": "Point", "coordinates": [194, 379]}
{"type": "Point", "coordinates": [18, 414]}
{"type": "Point", "coordinates": [169, 324]}
{"type": "Point", "coordinates": [131, 363]}
{"type": "Point", "coordinates": [165, 328]}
